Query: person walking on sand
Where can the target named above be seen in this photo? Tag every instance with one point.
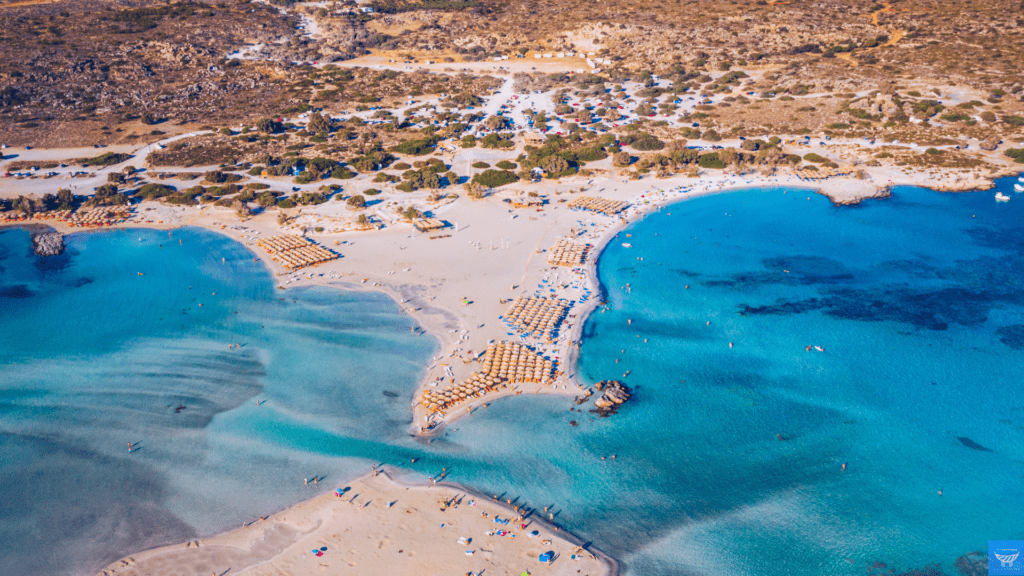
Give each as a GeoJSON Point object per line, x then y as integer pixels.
{"type": "Point", "coordinates": [129, 447]}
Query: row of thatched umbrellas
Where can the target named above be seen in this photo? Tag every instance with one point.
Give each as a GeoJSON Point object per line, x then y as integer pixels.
{"type": "Point", "coordinates": [97, 217]}
{"type": "Point", "coordinates": [516, 363]}
{"type": "Point", "coordinates": [602, 205]}
{"type": "Point", "coordinates": [536, 316]}
{"type": "Point", "coordinates": [282, 243]}
{"type": "Point", "coordinates": [475, 386]}
{"type": "Point", "coordinates": [566, 252]}
{"type": "Point", "coordinates": [302, 257]}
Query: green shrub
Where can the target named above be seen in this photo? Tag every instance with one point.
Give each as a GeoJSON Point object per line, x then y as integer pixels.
{"type": "Point", "coordinates": [218, 177]}
{"type": "Point", "coordinates": [641, 141]}
{"type": "Point", "coordinates": [812, 157]}
{"type": "Point", "coordinates": [417, 147]}
{"type": "Point", "coordinates": [405, 187]}
{"type": "Point", "coordinates": [342, 173]}
{"type": "Point", "coordinates": [268, 126]}
{"type": "Point", "coordinates": [154, 191]}
{"type": "Point", "coordinates": [506, 165]}
{"type": "Point", "coordinates": [711, 136]}
{"type": "Point", "coordinates": [1016, 153]}
{"type": "Point", "coordinates": [223, 190]}
{"type": "Point", "coordinates": [267, 199]}
{"type": "Point", "coordinates": [495, 141]}
{"type": "Point", "coordinates": [591, 154]}
{"type": "Point", "coordinates": [956, 117]}
{"type": "Point", "coordinates": [685, 156]}
{"type": "Point", "coordinates": [401, 166]}
{"type": "Point", "coordinates": [108, 159]}
{"type": "Point", "coordinates": [1013, 120]}
{"type": "Point", "coordinates": [933, 151]}
{"type": "Point", "coordinates": [285, 203]}
{"type": "Point", "coordinates": [494, 178]}
{"type": "Point", "coordinates": [710, 160]}
{"type": "Point", "coordinates": [481, 165]}
{"type": "Point", "coordinates": [371, 192]}
{"type": "Point", "coordinates": [838, 126]}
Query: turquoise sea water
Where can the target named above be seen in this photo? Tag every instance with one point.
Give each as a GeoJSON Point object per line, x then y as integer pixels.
{"type": "Point", "coordinates": [93, 356]}
{"type": "Point", "coordinates": [918, 305]}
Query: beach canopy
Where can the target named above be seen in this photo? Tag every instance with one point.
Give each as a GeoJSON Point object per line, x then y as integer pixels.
{"type": "Point", "coordinates": [545, 557]}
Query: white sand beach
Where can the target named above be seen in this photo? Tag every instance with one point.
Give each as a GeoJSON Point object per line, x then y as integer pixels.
{"type": "Point", "coordinates": [375, 525]}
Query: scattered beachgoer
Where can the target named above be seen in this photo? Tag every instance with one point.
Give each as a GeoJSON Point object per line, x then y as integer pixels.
{"type": "Point", "coordinates": [844, 466]}
{"type": "Point", "coordinates": [129, 447]}
{"type": "Point", "coordinates": [305, 481]}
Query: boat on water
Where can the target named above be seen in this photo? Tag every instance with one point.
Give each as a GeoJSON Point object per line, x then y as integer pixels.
{"type": "Point", "coordinates": [1000, 197]}
{"type": "Point", "coordinates": [1018, 188]}
{"type": "Point", "coordinates": [627, 245]}
{"type": "Point", "coordinates": [1020, 178]}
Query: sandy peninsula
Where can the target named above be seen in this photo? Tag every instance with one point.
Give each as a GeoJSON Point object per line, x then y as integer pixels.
{"type": "Point", "coordinates": [377, 525]}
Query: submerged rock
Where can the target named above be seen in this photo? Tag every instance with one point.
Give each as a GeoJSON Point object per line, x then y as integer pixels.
{"type": "Point", "coordinates": [48, 244]}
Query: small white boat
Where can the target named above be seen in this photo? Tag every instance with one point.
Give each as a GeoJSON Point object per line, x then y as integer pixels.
{"type": "Point", "coordinates": [1000, 197]}
{"type": "Point", "coordinates": [1018, 188]}
{"type": "Point", "coordinates": [1021, 178]}
{"type": "Point", "coordinates": [626, 245]}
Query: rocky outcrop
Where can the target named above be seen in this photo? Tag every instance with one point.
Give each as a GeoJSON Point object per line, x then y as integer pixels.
{"type": "Point", "coordinates": [990, 143]}
{"type": "Point", "coordinates": [48, 244]}
{"type": "Point", "coordinates": [615, 394]}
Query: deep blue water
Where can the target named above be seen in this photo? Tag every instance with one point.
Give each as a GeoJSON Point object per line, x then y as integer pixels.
{"type": "Point", "coordinates": [917, 304]}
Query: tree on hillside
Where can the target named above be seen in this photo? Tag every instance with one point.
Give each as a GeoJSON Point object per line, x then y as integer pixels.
{"type": "Point", "coordinates": [317, 123]}
{"type": "Point", "coordinates": [268, 126]}
{"type": "Point", "coordinates": [622, 159]}
{"type": "Point", "coordinates": [495, 122]}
